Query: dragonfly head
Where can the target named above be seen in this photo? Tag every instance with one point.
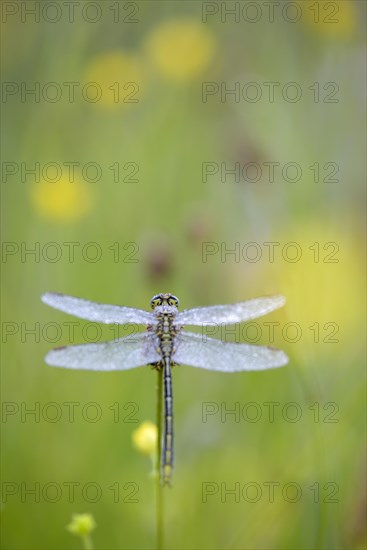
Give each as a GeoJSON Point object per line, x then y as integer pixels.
{"type": "Point", "coordinates": [164, 300]}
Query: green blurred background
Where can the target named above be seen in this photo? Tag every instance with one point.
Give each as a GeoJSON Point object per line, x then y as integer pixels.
{"type": "Point", "coordinates": [143, 226]}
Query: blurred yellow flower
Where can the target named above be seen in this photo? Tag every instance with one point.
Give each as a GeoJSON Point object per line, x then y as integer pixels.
{"type": "Point", "coordinates": [117, 79]}
{"type": "Point", "coordinates": [62, 201]}
{"type": "Point", "coordinates": [145, 438]}
{"type": "Point", "coordinates": [81, 524]}
{"type": "Point", "coordinates": [181, 49]}
{"type": "Point", "coordinates": [324, 290]}
{"type": "Point", "coordinates": [338, 18]}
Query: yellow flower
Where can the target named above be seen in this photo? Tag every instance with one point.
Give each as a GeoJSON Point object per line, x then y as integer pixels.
{"type": "Point", "coordinates": [117, 79]}
{"type": "Point", "coordinates": [62, 201]}
{"type": "Point", "coordinates": [338, 18]}
{"type": "Point", "coordinates": [181, 49]}
{"type": "Point", "coordinates": [145, 438]}
{"type": "Point", "coordinates": [81, 524]}
{"type": "Point", "coordinates": [324, 290]}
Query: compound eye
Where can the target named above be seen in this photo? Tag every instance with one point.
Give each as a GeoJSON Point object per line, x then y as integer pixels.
{"type": "Point", "coordinates": [155, 301]}
{"type": "Point", "coordinates": [173, 301]}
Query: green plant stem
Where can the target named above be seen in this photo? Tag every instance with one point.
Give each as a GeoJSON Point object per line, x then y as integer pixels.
{"type": "Point", "coordinates": [87, 541]}
{"type": "Point", "coordinates": [159, 488]}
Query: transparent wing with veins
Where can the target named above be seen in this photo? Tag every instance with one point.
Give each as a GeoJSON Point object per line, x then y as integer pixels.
{"type": "Point", "coordinates": [133, 351]}
{"type": "Point", "coordinates": [196, 350]}
{"type": "Point", "coordinates": [229, 314]}
{"type": "Point", "coordinates": [100, 313]}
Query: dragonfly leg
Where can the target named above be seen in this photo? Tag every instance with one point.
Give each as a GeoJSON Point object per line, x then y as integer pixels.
{"type": "Point", "coordinates": [157, 366]}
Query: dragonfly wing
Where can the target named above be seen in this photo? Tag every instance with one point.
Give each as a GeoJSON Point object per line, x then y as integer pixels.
{"type": "Point", "coordinates": [232, 313]}
{"type": "Point", "coordinates": [123, 354]}
{"type": "Point", "coordinates": [93, 311]}
{"type": "Point", "coordinates": [208, 353]}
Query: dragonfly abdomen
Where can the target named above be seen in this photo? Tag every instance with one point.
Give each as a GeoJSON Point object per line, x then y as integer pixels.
{"type": "Point", "coordinates": [166, 333]}
{"type": "Point", "coordinates": [167, 456]}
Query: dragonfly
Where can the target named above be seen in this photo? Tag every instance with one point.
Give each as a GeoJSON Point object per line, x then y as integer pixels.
{"type": "Point", "coordinates": [164, 344]}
